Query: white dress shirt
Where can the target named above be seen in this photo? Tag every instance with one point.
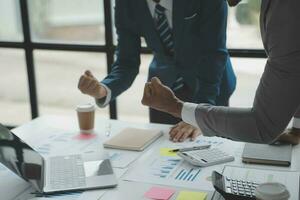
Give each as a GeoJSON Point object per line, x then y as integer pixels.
{"type": "Point", "coordinates": [168, 5]}
{"type": "Point", "coordinates": [188, 114]}
{"type": "Point", "coordinates": [296, 122]}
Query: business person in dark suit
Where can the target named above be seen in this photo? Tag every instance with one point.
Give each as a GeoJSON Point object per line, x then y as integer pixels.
{"type": "Point", "coordinates": [277, 98]}
{"type": "Point", "coordinates": [188, 41]}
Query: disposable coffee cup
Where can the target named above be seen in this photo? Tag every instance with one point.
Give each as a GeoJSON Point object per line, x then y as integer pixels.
{"type": "Point", "coordinates": [272, 191]}
{"type": "Point", "coordinates": [86, 118]}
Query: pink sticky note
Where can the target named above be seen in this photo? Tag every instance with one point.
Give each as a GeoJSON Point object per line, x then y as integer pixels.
{"type": "Point", "coordinates": [159, 193]}
{"type": "Point", "coordinates": [83, 136]}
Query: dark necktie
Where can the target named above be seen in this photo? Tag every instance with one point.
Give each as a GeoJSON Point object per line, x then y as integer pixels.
{"type": "Point", "coordinates": [166, 36]}
{"type": "Point", "coordinates": [164, 30]}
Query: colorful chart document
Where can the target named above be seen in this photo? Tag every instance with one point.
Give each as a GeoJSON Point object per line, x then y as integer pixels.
{"type": "Point", "coordinates": [169, 171]}
{"type": "Point", "coordinates": [159, 166]}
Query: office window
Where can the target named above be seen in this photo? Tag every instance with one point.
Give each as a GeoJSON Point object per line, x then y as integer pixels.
{"type": "Point", "coordinates": [130, 107]}
{"type": "Point", "coordinates": [243, 26]}
{"type": "Point", "coordinates": [57, 74]}
{"type": "Point", "coordinates": [81, 22]}
{"type": "Point", "coordinates": [14, 97]}
{"type": "Point", "coordinates": [115, 37]}
{"type": "Point", "coordinates": [67, 21]}
{"type": "Point", "coordinates": [248, 72]}
{"type": "Point", "coordinates": [10, 21]}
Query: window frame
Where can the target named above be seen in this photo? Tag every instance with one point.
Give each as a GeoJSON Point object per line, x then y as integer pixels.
{"type": "Point", "coordinates": [108, 48]}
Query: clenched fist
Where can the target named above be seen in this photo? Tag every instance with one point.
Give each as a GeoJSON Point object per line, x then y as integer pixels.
{"type": "Point", "coordinates": [89, 85]}
{"type": "Point", "coordinates": [162, 98]}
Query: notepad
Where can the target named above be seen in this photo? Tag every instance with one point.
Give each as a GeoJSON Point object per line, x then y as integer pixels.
{"type": "Point", "coordinates": [189, 195]}
{"type": "Point", "coordinates": [158, 193]}
{"type": "Point", "coordinates": [267, 154]}
{"type": "Point", "coordinates": [133, 139]}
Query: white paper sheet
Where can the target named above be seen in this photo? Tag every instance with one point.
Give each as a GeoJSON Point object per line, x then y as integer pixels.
{"type": "Point", "coordinates": [157, 169]}
{"type": "Point", "coordinates": [49, 141]}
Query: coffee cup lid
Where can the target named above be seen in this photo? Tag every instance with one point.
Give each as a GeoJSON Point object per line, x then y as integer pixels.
{"type": "Point", "coordinates": [272, 191]}
{"type": "Point", "coordinates": [85, 107]}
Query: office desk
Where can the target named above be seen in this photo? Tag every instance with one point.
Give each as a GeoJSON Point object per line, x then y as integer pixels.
{"type": "Point", "coordinates": [67, 127]}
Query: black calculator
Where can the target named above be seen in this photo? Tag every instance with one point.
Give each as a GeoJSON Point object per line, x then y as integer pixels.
{"type": "Point", "coordinates": [233, 189]}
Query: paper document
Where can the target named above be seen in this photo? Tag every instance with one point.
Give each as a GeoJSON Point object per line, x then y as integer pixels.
{"type": "Point", "coordinates": [50, 141]}
{"type": "Point", "coordinates": [159, 167]}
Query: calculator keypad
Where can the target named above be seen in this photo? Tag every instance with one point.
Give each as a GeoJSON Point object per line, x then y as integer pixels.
{"type": "Point", "coordinates": [210, 156]}
{"type": "Point", "coordinates": [240, 187]}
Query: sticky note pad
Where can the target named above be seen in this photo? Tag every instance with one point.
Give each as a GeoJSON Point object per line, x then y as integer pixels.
{"type": "Point", "coordinates": [189, 195]}
{"type": "Point", "coordinates": [167, 152]}
{"type": "Point", "coordinates": [158, 193]}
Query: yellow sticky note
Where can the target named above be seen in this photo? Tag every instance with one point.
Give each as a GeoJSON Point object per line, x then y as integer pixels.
{"type": "Point", "coordinates": [167, 152]}
{"type": "Point", "coordinates": [189, 195]}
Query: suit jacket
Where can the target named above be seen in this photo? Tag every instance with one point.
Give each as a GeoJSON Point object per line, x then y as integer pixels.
{"type": "Point", "coordinates": [201, 57]}
{"type": "Point", "coordinates": [277, 97]}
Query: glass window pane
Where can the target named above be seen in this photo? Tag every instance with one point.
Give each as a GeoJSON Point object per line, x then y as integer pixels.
{"type": "Point", "coordinates": [58, 73]}
{"type": "Point", "coordinates": [115, 37]}
{"type": "Point", "coordinates": [248, 72]}
{"type": "Point", "coordinates": [10, 21]}
{"type": "Point", "coordinates": [14, 96]}
{"type": "Point", "coordinates": [243, 26]}
{"type": "Point", "coordinates": [67, 21]}
{"type": "Point", "coordinates": [129, 103]}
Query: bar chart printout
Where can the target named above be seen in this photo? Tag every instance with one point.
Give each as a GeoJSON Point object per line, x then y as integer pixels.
{"type": "Point", "coordinates": [174, 169]}
{"type": "Point", "coordinates": [169, 171]}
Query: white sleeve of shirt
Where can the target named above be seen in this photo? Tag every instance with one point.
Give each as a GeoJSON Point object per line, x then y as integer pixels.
{"type": "Point", "coordinates": [296, 122]}
{"type": "Point", "coordinates": [188, 113]}
{"type": "Point", "coordinates": [103, 102]}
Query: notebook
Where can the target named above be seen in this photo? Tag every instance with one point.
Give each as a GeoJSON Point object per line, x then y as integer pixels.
{"type": "Point", "coordinates": [133, 139]}
{"type": "Point", "coordinates": [267, 154]}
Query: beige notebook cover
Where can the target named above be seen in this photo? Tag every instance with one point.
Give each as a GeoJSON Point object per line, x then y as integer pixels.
{"type": "Point", "coordinates": [133, 139]}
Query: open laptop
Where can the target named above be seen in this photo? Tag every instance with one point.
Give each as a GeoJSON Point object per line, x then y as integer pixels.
{"type": "Point", "coordinates": [54, 174]}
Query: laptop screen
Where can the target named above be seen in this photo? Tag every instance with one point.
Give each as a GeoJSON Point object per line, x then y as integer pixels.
{"type": "Point", "coordinates": [20, 158]}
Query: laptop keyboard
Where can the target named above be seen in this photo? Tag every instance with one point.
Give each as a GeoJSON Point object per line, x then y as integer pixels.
{"type": "Point", "coordinates": [67, 172]}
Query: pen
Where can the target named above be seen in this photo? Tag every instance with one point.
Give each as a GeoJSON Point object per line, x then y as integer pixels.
{"type": "Point", "coordinates": [191, 148]}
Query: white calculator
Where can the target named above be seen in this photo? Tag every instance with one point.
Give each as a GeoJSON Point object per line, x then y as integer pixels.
{"type": "Point", "coordinates": [206, 157]}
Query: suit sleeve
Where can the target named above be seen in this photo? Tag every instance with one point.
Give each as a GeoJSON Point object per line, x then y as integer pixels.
{"type": "Point", "coordinates": [126, 66]}
{"type": "Point", "coordinates": [274, 106]}
{"type": "Point", "coordinates": [213, 52]}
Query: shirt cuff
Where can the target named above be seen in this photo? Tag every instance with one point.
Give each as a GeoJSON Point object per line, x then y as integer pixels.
{"type": "Point", "coordinates": [188, 114]}
{"type": "Point", "coordinates": [103, 102]}
{"type": "Point", "coordinates": [296, 122]}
